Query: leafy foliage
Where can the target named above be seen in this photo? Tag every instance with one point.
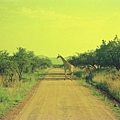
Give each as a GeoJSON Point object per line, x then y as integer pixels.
{"type": "Point", "coordinates": [21, 62]}
{"type": "Point", "coordinates": [101, 67]}
{"type": "Point", "coordinates": [107, 55]}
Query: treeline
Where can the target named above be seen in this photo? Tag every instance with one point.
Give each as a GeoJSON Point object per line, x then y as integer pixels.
{"type": "Point", "coordinates": [23, 61]}
{"type": "Point", "coordinates": [100, 67]}
{"type": "Point", "coordinates": [106, 55]}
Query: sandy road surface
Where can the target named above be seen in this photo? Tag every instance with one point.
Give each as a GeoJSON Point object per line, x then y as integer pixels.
{"type": "Point", "coordinates": [58, 99]}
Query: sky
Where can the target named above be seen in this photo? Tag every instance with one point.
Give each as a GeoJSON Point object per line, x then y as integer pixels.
{"type": "Point", "coordinates": [52, 27]}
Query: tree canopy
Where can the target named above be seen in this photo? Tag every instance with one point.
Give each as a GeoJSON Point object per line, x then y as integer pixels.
{"type": "Point", "coordinates": [106, 55]}
{"type": "Point", "coordinates": [23, 61]}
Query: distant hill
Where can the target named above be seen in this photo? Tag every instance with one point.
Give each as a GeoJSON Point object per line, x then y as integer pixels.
{"type": "Point", "coordinates": [43, 56]}
{"type": "Point", "coordinates": [54, 60]}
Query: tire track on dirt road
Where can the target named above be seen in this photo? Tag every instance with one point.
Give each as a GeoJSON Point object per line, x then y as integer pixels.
{"type": "Point", "coordinates": [59, 99]}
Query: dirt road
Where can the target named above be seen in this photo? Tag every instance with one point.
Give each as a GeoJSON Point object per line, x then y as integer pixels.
{"type": "Point", "coordinates": [59, 99]}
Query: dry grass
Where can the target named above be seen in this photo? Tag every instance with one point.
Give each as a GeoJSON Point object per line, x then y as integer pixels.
{"type": "Point", "coordinates": [112, 81]}
{"type": "Point", "coordinates": [16, 91]}
{"type": "Point", "coordinates": [105, 79]}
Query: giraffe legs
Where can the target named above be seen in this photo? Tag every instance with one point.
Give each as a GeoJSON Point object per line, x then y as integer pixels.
{"type": "Point", "coordinates": [65, 75]}
{"type": "Point", "coordinates": [69, 77]}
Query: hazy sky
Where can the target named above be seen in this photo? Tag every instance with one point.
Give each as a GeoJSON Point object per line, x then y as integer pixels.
{"type": "Point", "coordinates": [49, 27]}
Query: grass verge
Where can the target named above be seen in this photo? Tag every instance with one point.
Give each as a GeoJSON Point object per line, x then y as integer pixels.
{"type": "Point", "coordinates": [12, 96]}
{"type": "Point", "coordinates": [102, 97]}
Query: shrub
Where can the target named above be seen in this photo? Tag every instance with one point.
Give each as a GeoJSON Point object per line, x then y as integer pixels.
{"type": "Point", "coordinates": [78, 74]}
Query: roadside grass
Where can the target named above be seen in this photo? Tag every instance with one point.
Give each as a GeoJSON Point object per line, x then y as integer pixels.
{"type": "Point", "coordinates": [102, 97]}
{"type": "Point", "coordinates": [107, 80]}
{"type": "Point", "coordinates": [15, 94]}
{"type": "Point", "coordinates": [111, 87]}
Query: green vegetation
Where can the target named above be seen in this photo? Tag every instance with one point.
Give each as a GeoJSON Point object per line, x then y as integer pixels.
{"type": "Point", "coordinates": [101, 68]}
{"type": "Point", "coordinates": [12, 95]}
{"type": "Point", "coordinates": [107, 55]}
{"type": "Point", "coordinates": [12, 68]}
{"type": "Point", "coordinates": [18, 74]}
{"type": "Point", "coordinates": [103, 80]}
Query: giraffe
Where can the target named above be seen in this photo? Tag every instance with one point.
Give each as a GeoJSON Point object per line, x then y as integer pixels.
{"type": "Point", "coordinates": [67, 66]}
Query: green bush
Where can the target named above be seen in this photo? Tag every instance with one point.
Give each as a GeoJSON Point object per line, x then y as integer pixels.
{"type": "Point", "coordinates": [78, 74]}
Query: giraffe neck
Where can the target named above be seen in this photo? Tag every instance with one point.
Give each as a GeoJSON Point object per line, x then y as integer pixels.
{"type": "Point", "coordinates": [64, 61]}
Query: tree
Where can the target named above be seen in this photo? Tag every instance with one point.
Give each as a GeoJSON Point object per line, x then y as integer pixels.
{"type": "Point", "coordinates": [74, 60]}
{"type": "Point", "coordinates": [108, 54]}
{"type": "Point", "coordinates": [4, 58]}
{"type": "Point", "coordinates": [35, 63]}
{"type": "Point", "coordinates": [6, 67]}
{"type": "Point", "coordinates": [45, 62]}
{"type": "Point", "coordinates": [21, 61]}
{"type": "Point", "coordinates": [114, 52]}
